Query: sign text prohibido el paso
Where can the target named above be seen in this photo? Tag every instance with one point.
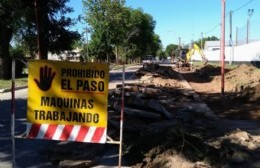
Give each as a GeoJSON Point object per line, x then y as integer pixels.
{"type": "Point", "coordinates": [67, 101]}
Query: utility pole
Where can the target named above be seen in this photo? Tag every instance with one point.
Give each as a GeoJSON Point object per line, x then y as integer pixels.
{"type": "Point", "coordinates": [179, 47]}
{"type": "Point", "coordinates": [201, 41]}
{"type": "Point", "coordinates": [230, 38]}
{"type": "Point", "coordinates": [236, 36]}
{"type": "Point", "coordinates": [230, 31]}
{"type": "Point", "coordinates": [249, 13]}
{"type": "Point", "coordinates": [179, 43]}
{"type": "Point", "coordinates": [116, 55]}
{"type": "Point", "coordinates": [87, 30]}
{"type": "Point", "coordinates": [222, 46]}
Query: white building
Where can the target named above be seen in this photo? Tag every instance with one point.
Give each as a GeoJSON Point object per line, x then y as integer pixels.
{"type": "Point", "coordinates": [66, 55]}
{"type": "Point", "coordinates": [212, 45]}
{"type": "Point", "coordinates": [242, 53]}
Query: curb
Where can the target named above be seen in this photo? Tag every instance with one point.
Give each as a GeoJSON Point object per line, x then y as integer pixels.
{"type": "Point", "coordinates": [9, 89]}
{"type": "Point", "coordinates": [208, 112]}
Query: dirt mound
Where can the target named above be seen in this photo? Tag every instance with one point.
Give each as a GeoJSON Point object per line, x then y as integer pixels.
{"type": "Point", "coordinates": [252, 93]}
{"type": "Point", "coordinates": [209, 70]}
{"type": "Point", "coordinates": [241, 86]}
{"type": "Point", "coordinates": [244, 68]}
{"type": "Point", "coordinates": [242, 77]}
{"type": "Point", "coordinates": [237, 78]}
{"type": "Point", "coordinates": [256, 95]}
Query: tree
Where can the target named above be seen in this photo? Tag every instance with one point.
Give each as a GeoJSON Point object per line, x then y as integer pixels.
{"type": "Point", "coordinates": [170, 49]}
{"type": "Point", "coordinates": [140, 39]}
{"type": "Point", "coordinates": [117, 28]}
{"type": "Point", "coordinates": [144, 41]}
{"type": "Point", "coordinates": [161, 53]}
{"type": "Point", "coordinates": [51, 26]}
{"type": "Point", "coordinates": [8, 24]}
{"type": "Point", "coordinates": [155, 45]}
{"type": "Point", "coordinates": [17, 17]}
{"type": "Point", "coordinates": [106, 19]}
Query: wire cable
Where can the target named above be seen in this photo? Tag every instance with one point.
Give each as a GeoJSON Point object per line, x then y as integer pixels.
{"type": "Point", "coordinates": [212, 29]}
{"type": "Point", "coordinates": [244, 5]}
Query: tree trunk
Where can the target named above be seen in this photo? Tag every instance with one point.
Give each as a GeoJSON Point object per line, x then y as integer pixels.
{"type": "Point", "coordinates": [5, 60]}
{"type": "Point", "coordinates": [42, 38]}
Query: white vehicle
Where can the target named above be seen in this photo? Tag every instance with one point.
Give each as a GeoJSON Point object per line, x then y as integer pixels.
{"type": "Point", "coordinates": [149, 59]}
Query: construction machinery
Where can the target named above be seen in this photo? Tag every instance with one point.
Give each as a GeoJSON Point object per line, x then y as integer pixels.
{"type": "Point", "coordinates": [184, 60]}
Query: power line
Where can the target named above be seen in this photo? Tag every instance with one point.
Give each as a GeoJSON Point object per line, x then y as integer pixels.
{"type": "Point", "coordinates": [212, 29]}
{"type": "Point", "coordinates": [244, 5]}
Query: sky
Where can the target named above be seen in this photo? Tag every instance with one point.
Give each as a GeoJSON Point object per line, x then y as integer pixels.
{"type": "Point", "coordinates": [189, 20]}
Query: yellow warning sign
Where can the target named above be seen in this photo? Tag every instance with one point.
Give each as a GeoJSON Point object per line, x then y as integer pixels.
{"type": "Point", "coordinates": [61, 92]}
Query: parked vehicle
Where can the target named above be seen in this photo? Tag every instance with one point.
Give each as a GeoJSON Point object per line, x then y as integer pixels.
{"type": "Point", "coordinates": [149, 59]}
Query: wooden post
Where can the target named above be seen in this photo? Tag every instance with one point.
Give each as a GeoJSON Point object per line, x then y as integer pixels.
{"type": "Point", "coordinates": [122, 118]}
{"type": "Point", "coordinates": [13, 114]}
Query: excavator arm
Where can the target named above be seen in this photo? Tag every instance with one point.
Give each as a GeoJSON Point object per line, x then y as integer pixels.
{"type": "Point", "coordinates": [190, 53]}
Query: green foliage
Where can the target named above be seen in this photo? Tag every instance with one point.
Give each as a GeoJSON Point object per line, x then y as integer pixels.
{"type": "Point", "coordinates": [8, 24]}
{"type": "Point", "coordinates": [20, 62]}
{"type": "Point", "coordinates": [144, 41]}
{"type": "Point", "coordinates": [77, 44]}
{"type": "Point", "coordinates": [170, 49]}
{"type": "Point", "coordinates": [54, 25]}
{"type": "Point", "coordinates": [106, 19]}
{"type": "Point", "coordinates": [161, 53]}
{"type": "Point", "coordinates": [6, 84]}
{"type": "Point", "coordinates": [17, 17]}
{"type": "Point", "coordinates": [115, 26]}
{"type": "Point", "coordinates": [203, 40]}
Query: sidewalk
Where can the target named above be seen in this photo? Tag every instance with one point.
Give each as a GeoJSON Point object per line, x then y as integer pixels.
{"type": "Point", "coordinates": [10, 89]}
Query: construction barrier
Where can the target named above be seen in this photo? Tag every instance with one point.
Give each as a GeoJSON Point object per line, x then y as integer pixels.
{"type": "Point", "coordinates": [67, 101]}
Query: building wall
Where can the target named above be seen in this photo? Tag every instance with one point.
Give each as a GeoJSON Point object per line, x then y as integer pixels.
{"type": "Point", "coordinates": [67, 55]}
{"type": "Point", "coordinates": [243, 53]}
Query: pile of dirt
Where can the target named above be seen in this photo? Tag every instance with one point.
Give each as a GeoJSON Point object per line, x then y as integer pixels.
{"type": "Point", "coordinates": [241, 99]}
{"type": "Point", "coordinates": [236, 78]}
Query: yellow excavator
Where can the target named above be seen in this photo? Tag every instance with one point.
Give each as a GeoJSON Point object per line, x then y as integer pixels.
{"type": "Point", "coordinates": [185, 58]}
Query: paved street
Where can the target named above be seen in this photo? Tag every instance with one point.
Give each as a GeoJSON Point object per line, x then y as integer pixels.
{"type": "Point", "coordinates": [27, 150]}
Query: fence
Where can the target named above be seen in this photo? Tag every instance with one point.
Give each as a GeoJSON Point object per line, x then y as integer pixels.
{"type": "Point", "coordinates": [247, 33]}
